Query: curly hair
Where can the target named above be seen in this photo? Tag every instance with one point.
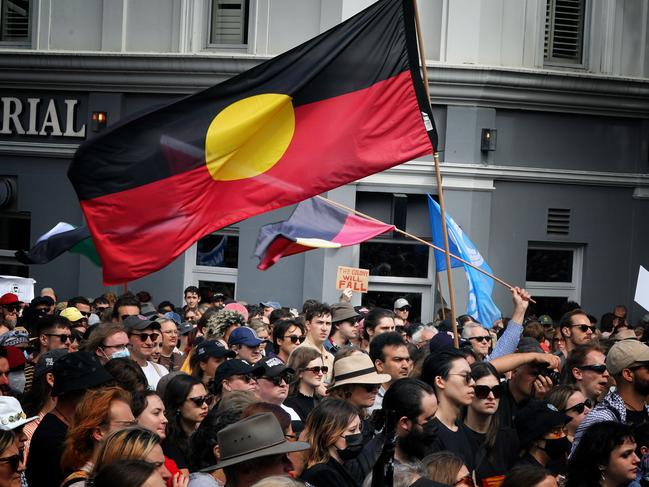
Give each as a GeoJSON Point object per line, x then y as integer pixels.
{"type": "Point", "coordinates": [219, 322]}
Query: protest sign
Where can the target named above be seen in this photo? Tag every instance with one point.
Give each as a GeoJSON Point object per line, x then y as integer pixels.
{"type": "Point", "coordinates": [22, 286]}
{"type": "Point", "coordinates": [352, 278]}
{"type": "Point", "coordinates": [642, 288]}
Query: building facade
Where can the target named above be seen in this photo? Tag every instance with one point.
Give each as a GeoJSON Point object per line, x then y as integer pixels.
{"type": "Point", "coordinates": [556, 202]}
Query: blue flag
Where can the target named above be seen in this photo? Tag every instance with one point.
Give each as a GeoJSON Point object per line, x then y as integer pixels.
{"type": "Point", "coordinates": [481, 306]}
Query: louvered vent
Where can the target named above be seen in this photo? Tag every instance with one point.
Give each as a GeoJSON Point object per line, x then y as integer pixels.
{"type": "Point", "coordinates": [14, 20]}
{"type": "Point", "coordinates": [229, 22]}
{"type": "Point", "coordinates": [558, 223]}
{"type": "Point", "coordinates": [564, 31]}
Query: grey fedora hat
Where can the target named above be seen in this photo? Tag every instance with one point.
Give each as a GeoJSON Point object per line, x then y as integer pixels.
{"type": "Point", "coordinates": [257, 436]}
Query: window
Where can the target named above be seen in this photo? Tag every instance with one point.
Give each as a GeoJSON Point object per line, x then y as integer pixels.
{"type": "Point", "coordinates": [14, 235]}
{"type": "Point", "coordinates": [14, 21]}
{"type": "Point", "coordinates": [229, 22]}
{"type": "Point", "coordinates": [211, 263]}
{"type": "Point", "coordinates": [564, 32]}
{"type": "Point", "coordinates": [553, 276]}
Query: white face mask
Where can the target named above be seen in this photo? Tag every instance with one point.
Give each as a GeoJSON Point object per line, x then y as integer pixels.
{"type": "Point", "coordinates": [123, 353]}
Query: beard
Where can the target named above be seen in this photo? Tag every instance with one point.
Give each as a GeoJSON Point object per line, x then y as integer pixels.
{"type": "Point", "coordinates": [419, 442]}
{"type": "Point", "coordinates": [641, 386]}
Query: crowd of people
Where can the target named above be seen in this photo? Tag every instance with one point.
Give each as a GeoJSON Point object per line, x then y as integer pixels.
{"type": "Point", "coordinates": [119, 391]}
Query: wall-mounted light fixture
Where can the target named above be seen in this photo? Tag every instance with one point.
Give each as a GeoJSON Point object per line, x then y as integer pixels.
{"type": "Point", "coordinates": [98, 121]}
{"type": "Point", "coordinates": [488, 140]}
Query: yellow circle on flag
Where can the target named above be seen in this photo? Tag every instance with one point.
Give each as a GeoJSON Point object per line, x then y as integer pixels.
{"type": "Point", "coordinates": [248, 137]}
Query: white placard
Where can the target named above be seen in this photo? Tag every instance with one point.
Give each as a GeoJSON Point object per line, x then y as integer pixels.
{"type": "Point", "coordinates": [22, 286]}
{"type": "Point", "coordinates": [642, 288]}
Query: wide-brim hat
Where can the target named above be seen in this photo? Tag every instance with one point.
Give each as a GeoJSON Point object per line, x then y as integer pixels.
{"type": "Point", "coordinates": [12, 415]}
{"type": "Point", "coordinates": [78, 371]}
{"type": "Point", "coordinates": [257, 436]}
{"type": "Point", "coordinates": [357, 369]}
{"type": "Point", "coordinates": [343, 312]}
{"type": "Point", "coordinates": [536, 419]}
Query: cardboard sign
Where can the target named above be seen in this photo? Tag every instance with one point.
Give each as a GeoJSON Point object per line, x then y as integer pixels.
{"type": "Point", "coordinates": [352, 278]}
{"type": "Point", "coordinates": [22, 286]}
{"type": "Point", "coordinates": [642, 288]}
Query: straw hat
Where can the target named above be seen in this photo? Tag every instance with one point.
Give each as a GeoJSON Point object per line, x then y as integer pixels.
{"type": "Point", "coordinates": [357, 369]}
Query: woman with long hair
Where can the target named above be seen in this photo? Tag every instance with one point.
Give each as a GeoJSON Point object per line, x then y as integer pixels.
{"type": "Point", "coordinates": [129, 473]}
{"type": "Point", "coordinates": [604, 457]}
{"type": "Point", "coordinates": [10, 460]}
{"type": "Point", "coordinates": [136, 443]}
{"type": "Point", "coordinates": [186, 402]}
{"type": "Point", "coordinates": [333, 430]}
{"type": "Point", "coordinates": [495, 448]}
{"type": "Point", "coordinates": [569, 399]}
{"type": "Point", "coordinates": [99, 413]}
{"type": "Point", "coordinates": [309, 372]}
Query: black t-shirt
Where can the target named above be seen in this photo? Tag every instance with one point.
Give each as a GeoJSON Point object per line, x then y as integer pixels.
{"type": "Point", "coordinates": [508, 408]}
{"type": "Point", "coordinates": [496, 461]}
{"type": "Point", "coordinates": [46, 448]}
{"type": "Point", "coordinates": [453, 441]}
{"type": "Point", "coordinates": [636, 417]}
{"type": "Point", "coordinates": [301, 404]}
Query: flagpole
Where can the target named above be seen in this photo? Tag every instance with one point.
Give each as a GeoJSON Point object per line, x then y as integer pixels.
{"type": "Point", "coordinates": [438, 176]}
{"type": "Point", "coordinates": [438, 289]}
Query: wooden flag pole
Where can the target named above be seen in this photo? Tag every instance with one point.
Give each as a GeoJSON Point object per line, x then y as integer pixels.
{"type": "Point", "coordinates": [438, 290]}
{"type": "Point", "coordinates": [438, 176]}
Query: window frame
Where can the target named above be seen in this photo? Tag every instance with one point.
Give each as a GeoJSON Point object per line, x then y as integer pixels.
{"type": "Point", "coordinates": [570, 290]}
{"type": "Point", "coordinates": [560, 63]}
{"type": "Point", "coordinates": [30, 21]}
{"type": "Point", "coordinates": [241, 48]}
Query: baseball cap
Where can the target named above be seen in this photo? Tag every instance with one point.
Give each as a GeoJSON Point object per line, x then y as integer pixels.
{"type": "Point", "coordinates": [244, 336]}
{"type": "Point", "coordinates": [185, 327]}
{"type": "Point", "coordinates": [271, 367]}
{"type": "Point", "coordinates": [400, 303]}
{"type": "Point", "coordinates": [72, 314]}
{"type": "Point", "coordinates": [46, 361]}
{"type": "Point", "coordinates": [537, 419]}
{"type": "Point", "coordinates": [546, 320]}
{"type": "Point", "coordinates": [529, 344]}
{"type": "Point", "coordinates": [626, 354]}
{"type": "Point", "coordinates": [175, 317]}
{"type": "Point", "coordinates": [9, 298]}
{"type": "Point", "coordinates": [42, 300]}
{"type": "Point", "coordinates": [210, 348]}
{"type": "Point", "coordinates": [230, 368]}
{"type": "Point", "coordinates": [139, 322]}
{"type": "Point", "coordinates": [271, 304]}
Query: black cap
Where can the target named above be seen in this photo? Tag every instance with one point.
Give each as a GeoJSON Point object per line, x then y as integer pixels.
{"type": "Point", "coordinates": [46, 361]}
{"type": "Point", "coordinates": [211, 348]}
{"type": "Point", "coordinates": [529, 344]}
{"type": "Point", "coordinates": [230, 368]}
{"type": "Point", "coordinates": [139, 322]}
{"type": "Point", "coordinates": [78, 371]}
{"type": "Point", "coordinates": [42, 300]}
{"type": "Point", "coordinates": [537, 419]}
{"type": "Point", "coordinates": [271, 367]}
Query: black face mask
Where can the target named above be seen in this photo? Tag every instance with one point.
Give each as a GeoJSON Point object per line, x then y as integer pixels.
{"type": "Point", "coordinates": [418, 442]}
{"type": "Point", "coordinates": [354, 447]}
{"type": "Point", "coordinates": [557, 449]}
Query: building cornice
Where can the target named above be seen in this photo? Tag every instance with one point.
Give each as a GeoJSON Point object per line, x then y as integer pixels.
{"type": "Point", "coordinates": [528, 89]}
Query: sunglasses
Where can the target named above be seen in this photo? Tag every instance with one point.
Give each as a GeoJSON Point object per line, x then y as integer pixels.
{"type": "Point", "coordinates": [405, 308]}
{"type": "Point", "coordinates": [145, 336]}
{"type": "Point", "coordinates": [64, 337]}
{"type": "Point", "coordinates": [467, 377]}
{"type": "Point", "coordinates": [200, 400]}
{"type": "Point", "coordinates": [585, 328]}
{"type": "Point", "coordinates": [579, 408]}
{"type": "Point", "coordinates": [13, 461]}
{"type": "Point", "coordinates": [295, 338]}
{"type": "Point", "coordinates": [85, 313]}
{"type": "Point", "coordinates": [483, 339]}
{"type": "Point", "coordinates": [369, 387]}
{"type": "Point", "coordinates": [465, 482]}
{"type": "Point", "coordinates": [317, 370]}
{"type": "Point", "coordinates": [277, 381]}
{"type": "Point", "coordinates": [600, 369]}
{"type": "Point", "coordinates": [11, 307]}
{"type": "Point", "coordinates": [482, 392]}
{"type": "Point", "coordinates": [123, 317]}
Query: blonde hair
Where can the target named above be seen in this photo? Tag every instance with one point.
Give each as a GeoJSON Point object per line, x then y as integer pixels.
{"type": "Point", "coordinates": [278, 481]}
{"type": "Point", "coordinates": [133, 443]}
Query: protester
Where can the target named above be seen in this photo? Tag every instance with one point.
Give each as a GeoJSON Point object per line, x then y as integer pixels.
{"type": "Point", "coordinates": [287, 335]}
{"type": "Point", "coordinates": [14, 419]}
{"type": "Point", "coordinates": [390, 355]}
{"type": "Point", "coordinates": [53, 333]}
{"type": "Point", "coordinates": [149, 412]}
{"type": "Point", "coordinates": [576, 329]}
{"type": "Point", "coordinates": [447, 468]}
{"type": "Point", "coordinates": [344, 326]}
{"type": "Point", "coordinates": [100, 413]}
{"type": "Point", "coordinates": [495, 448]}
{"type": "Point", "coordinates": [170, 357]}
{"type": "Point", "coordinates": [273, 378]}
{"type": "Point", "coordinates": [569, 400]}
{"type": "Point", "coordinates": [585, 367]}
{"type": "Point", "coordinates": [143, 334]}
{"type": "Point", "coordinates": [333, 430]}
{"type": "Point", "coordinates": [129, 473]}
{"type": "Point", "coordinates": [74, 374]}
{"type": "Point", "coordinates": [233, 375]}
{"type": "Point", "coordinates": [422, 336]}
{"type": "Point", "coordinates": [108, 341]}
{"type": "Point", "coordinates": [222, 323]}
{"type": "Point", "coordinates": [318, 326]}
{"type": "Point", "coordinates": [125, 306]}
{"type": "Point", "coordinates": [303, 392]}
{"type": "Point", "coordinates": [207, 358]}
{"type": "Point", "coordinates": [186, 402]}
{"type": "Point", "coordinates": [10, 308]}
{"type": "Point", "coordinates": [126, 374]}
{"type": "Point", "coordinates": [10, 461]}
{"type": "Point", "coordinates": [529, 476]}
{"type": "Point", "coordinates": [246, 344]}
{"type": "Point", "coordinates": [377, 321]}
{"type": "Point", "coordinates": [253, 449]}
{"type": "Point", "coordinates": [605, 457]}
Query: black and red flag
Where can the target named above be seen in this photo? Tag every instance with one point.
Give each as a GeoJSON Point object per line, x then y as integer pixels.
{"type": "Point", "coordinates": [345, 104]}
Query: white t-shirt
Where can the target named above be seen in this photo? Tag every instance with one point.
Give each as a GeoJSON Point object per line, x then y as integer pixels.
{"type": "Point", "coordinates": [154, 372]}
{"type": "Point", "coordinates": [291, 411]}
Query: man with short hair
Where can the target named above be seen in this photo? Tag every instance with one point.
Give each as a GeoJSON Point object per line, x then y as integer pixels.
{"type": "Point", "coordinates": [628, 362]}
{"type": "Point", "coordinates": [246, 344]}
{"type": "Point", "coordinates": [253, 449]}
{"type": "Point", "coordinates": [124, 307]}
{"type": "Point", "coordinates": [108, 341]}
{"type": "Point", "coordinates": [318, 326]}
{"type": "Point", "coordinates": [378, 321]}
{"type": "Point", "coordinates": [10, 308]}
{"type": "Point", "coordinates": [82, 304]}
{"type": "Point", "coordinates": [78, 321]}
{"type": "Point", "coordinates": [585, 367]}
{"type": "Point", "coordinates": [234, 375]}
{"type": "Point", "coordinates": [344, 326]}
{"type": "Point", "coordinates": [192, 297]}
{"type": "Point", "coordinates": [576, 329]}
{"type": "Point", "coordinates": [44, 304]}
{"type": "Point", "coordinates": [422, 336]}
{"type": "Point", "coordinates": [142, 334]}
{"type": "Point", "coordinates": [273, 377]}
{"type": "Point", "coordinates": [390, 355]}
{"type": "Point", "coordinates": [402, 310]}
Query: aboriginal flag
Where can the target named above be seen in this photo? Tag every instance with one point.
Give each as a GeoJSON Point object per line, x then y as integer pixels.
{"type": "Point", "coordinates": [314, 224]}
{"type": "Point", "coordinates": [339, 107]}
